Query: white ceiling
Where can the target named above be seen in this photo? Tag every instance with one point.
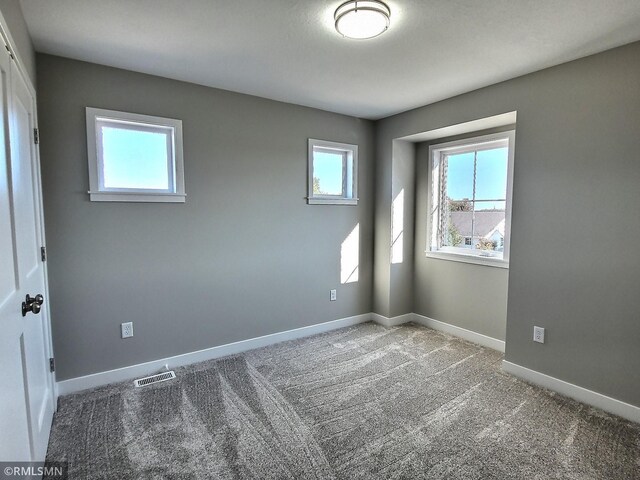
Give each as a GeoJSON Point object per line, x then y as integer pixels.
{"type": "Point", "coordinates": [288, 50]}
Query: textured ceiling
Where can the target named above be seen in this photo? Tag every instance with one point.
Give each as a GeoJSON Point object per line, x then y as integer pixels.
{"type": "Point", "coordinates": [288, 50]}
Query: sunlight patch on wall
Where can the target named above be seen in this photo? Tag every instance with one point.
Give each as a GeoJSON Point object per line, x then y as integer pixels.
{"type": "Point", "coordinates": [350, 257]}
{"type": "Point", "coordinates": [397, 228]}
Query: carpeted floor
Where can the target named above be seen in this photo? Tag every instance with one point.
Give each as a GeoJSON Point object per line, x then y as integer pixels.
{"type": "Point", "coordinates": [358, 403]}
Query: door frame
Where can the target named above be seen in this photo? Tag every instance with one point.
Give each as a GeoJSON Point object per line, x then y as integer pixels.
{"type": "Point", "coordinates": [35, 150]}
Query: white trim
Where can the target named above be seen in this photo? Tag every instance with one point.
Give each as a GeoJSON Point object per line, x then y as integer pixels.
{"type": "Point", "coordinates": [463, 333]}
{"type": "Point", "coordinates": [477, 143]}
{"type": "Point", "coordinates": [77, 384]}
{"type": "Point", "coordinates": [8, 39]}
{"type": "Point", "coordinates": [19, 67]}
{"type": "Point", "coordinates": [393, 321]}
{"type": "Point", "coordinates": [580, 394]}
{"type": "Point", "coordinates": [137, 197]}
{"type": "Point", "coordinates": [595, 399]}
{"type": "Point", "coordinates": [496, 121]}
{"type": "Point", "coordinates": [97, 190]}
{"type": "Point", "coordinates": [460, 332]}
{"type": "Point", "coordinates": [474, 259]}
{"type": "Point", "coordinates": [349, 194]}
{"type": "Point", "coordinates": [332, 201]}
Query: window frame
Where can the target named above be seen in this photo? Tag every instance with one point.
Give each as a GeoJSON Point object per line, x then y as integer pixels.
{"type": "Point", "coordinates": [96, 118]}
{"type": "Point", "coordinates": [349, 152]}
{"type": "Point", "coordinates": [436, 153]}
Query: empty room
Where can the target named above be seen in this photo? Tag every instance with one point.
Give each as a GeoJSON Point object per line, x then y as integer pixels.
{"type": "Point", "coordinates": [293, 239]}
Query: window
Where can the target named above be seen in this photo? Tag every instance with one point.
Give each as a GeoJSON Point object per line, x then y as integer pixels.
{"type": "Point", "coordinates": [134, 158]}
{"type": "Point", "coordinates": [333, 172]}
{"type": "Point", "coordinates": [470, 202]}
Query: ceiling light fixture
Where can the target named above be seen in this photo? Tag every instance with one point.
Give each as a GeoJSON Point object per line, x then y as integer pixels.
{"type": "Point", "coordinates": [362, 19]}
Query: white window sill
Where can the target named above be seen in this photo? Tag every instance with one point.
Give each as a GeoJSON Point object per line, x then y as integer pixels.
{"type": "Point", "coordinates": [332, 201]}
{"type": "Point", "coordinates": [473, 259]}
{"type": "Point", "coordinates": [137, 197]}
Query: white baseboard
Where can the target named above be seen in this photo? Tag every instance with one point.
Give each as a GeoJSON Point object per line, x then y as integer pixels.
{"type": "Point", "coordinates": [598, 400]}
{"type": "Point", "coordinates": [99, 379]}
{"type": "Point", "coordinates": [469, 335]}
{"type": "Point", "coordinates": [393, 321]}
{"type": "Point", "coordinates": [581, 394]}
{"type": "Point", "coordinates": [77, 384]}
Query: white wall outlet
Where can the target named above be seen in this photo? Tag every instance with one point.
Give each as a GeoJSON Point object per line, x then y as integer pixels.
{"type": "Point", "coordinates": [538, 334]}
{"type": "Point", "coordinates": [333, 295]}
{"type": "Point", "coordinates": [126, 329]}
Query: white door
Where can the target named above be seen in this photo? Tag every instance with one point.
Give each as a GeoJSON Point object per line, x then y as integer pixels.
{"type": "Point", "coordinates": [26, 383]}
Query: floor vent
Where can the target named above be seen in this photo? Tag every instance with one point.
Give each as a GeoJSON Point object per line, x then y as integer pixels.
{"type": "Point", "coordinates": [160, 377]}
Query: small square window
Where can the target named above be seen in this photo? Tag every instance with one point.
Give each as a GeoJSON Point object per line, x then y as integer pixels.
{"type": "Point", "coordinates": [333, 170]}
{"type": "Point", "coordinates": [134, 158]}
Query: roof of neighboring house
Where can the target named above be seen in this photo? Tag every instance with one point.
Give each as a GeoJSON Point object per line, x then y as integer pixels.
{"type": "Point", "coordinates": [486, 222]}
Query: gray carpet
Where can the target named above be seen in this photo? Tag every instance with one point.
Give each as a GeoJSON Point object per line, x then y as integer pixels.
{"type": "Point", "coordinates": [358, 403]}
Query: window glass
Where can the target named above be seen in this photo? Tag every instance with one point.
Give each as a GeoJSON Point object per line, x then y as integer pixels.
{"type": "Point", "coordinates": [133, 159]}
{"type": "Point", "coordinates": [470, 181]}
{"type": "Point", "coordinates": [491, 176]}
{"type": "Point", "coordinates": [333, 173]}
{"type": "Point", "coordinates": [460, 176]}
{"type": "Point", "coordinates": [328, 171]}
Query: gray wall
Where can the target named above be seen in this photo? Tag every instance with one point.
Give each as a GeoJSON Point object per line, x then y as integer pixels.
{"type": "Point", "coordinates": [465, 295]}
{"type": "Point", "coordinates": [12, 13]}
{"type": "Point", "coordinates": [382, 236]}
{"type": "Point", "coordinates": [402, 189]}
{"type": "Point", "coordinates": [574, 267]}
{"type": "Point", "coordinates": [439, 284]}
{"type": "Point", "coordinates": [244, 257]}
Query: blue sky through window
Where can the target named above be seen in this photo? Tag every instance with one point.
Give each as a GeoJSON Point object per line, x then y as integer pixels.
{"type": "Point", "coordinates": [134, 159]}
{"type": "Point", "coordinates": [491, 177]}
{"type": "Point", "coordinates": [460, 176]}
{"type": "Point", "coordinates": [327, 168]}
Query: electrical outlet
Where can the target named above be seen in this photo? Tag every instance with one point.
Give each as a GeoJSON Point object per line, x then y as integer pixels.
{"type": "Point", "coordinates": [333, 295]}
{"type": "Point", "coordinates": [538, 334]}
{"type": "Point", "coordinates": [126, 329]}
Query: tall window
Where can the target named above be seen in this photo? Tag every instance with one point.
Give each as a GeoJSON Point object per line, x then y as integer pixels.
{"type": "Point", "coordinates": [134, 158]}
{"type": "Point", "coordinates": [470, 202]}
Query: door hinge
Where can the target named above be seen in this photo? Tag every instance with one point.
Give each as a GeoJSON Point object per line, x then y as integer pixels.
{"type": "Point", "coordinates": [9, 51]}
{"type": "Point", "coordinates": [36, 136]}
{"type": "Point", "coordinates": [52, 365]}
{"type": "Point", "coordinates": [43, 253]}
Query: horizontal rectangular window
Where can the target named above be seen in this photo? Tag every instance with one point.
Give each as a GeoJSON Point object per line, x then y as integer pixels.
{"type": "Point", "coordinates": [134, 158]}
{"type": "Point", "coordinates": [333, 171]}
{"type": "Point", "coordinates": [470, 200]}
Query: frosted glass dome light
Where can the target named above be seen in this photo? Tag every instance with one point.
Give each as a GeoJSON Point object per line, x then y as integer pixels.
{"type": "Point", "coordinates": [362, 19]}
